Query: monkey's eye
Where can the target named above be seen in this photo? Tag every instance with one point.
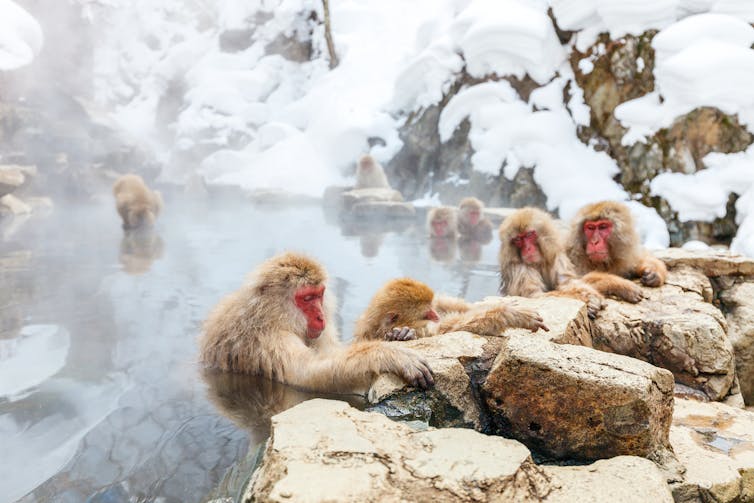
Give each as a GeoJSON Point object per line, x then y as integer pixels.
{"type": "Point", "coordinates": [604, 226]}
{"type": "Point", "coordinates": [517, 242]}
{"type": "Point", "coordinates": [308, 298]}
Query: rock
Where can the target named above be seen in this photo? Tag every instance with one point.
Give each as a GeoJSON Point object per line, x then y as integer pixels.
{"type": "Point", "coordinates": [622, 478]}
{"type": "Point", "coordinates": [14, 205]}
{"type": "Point", "coordinates": [352, 197]}
{"type": "Point", "coordinates": [673, 328]}
{"type": "Point", "coordinates": [383, 209]}
{"type": "Point", "coordinates": [497, 215]}
{"type": "Point", "coordinates": [332, 195]}
{"type": "Point", "coordinates": [711, 263]}
{"type": "Point", "coordinates": [279, 197]}
{"type": "Point", "coordinates": [10, 180]}
{"type": "Point", "coordinates": [573, 402]}
{"type": "Point", "coordinates": [716, 445]}
{"type": "Point", "coordinates": [323, 450]}
{"type": "Point", "coordinates": [738, 302]}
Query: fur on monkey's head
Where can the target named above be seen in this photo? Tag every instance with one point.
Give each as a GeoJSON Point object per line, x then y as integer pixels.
{"type": "Point", "coordinates": [404, 297]}
{"type": "Point", "coordinates": [523, 220]}
{"type": "Point", "coordinates": [289, 270]}
{"type": "Point", "coordinates": [470, 202]}
{"type": "Point", "coordinates": [623, 240]}
{"type": "Point", "coordinates": [366, 161]}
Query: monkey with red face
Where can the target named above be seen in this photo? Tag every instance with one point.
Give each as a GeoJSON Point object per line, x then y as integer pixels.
{"type": "Point", "coordinates": [472, 223]}
{"type": "Point", "coordinates": [533, 261]}
{"type": "Point", "coordinates": [279, 325]}
{"type": "Point", "coordinates": [604, 246]}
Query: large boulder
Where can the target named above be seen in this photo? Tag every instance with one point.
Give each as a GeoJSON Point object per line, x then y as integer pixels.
{"type": "Point", "coordinates": [739, 306]}
{"type": "Point", "coordinates": [712, 263]}
{"type": "Point", "coordinates": [573, 402]}
{"type": "Point", "coordinates": [715, 443]}
{"type": "Point", "coordinates": [674, 327]}
{"type": "Point", "coordinates": [351, 197]}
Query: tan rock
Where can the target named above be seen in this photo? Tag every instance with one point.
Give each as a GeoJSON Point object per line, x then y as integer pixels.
{"type": "Point", "coordinates": [711, 263]}
{"type": "Point", "coordinates": [352, 197]}
{"type": "Point", "coordinates": [739, 304]}
{"type": "Point", "coordinates": [673, 328]}
{"type": "Point", "coordinates": [574, 402]}
{"type": "Point", "coordinates": [715, 443]}
{"type": "Point", "coordinates": [383, 209]}
{"type": "Point", "coordinates": [10, 180]}
{"type": "Point", "coordinates": [323, 450]}
{"type": "Point", "coordinates": [622, 478]}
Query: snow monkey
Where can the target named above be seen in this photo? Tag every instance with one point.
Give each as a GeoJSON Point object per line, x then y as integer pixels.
{"type": "Point", "coordinates": [369, 174]}
{"type": "Point", "coordinates": [279, 325]}
{"type": "Point", "coordinates": [441, 222]}
{"type": "Point", "coordinates": [471, 222]}
{"type": "Point", "coordinates": [604, 246]}
{"type": "Point", "coordinates": [405, 309]}
{"type": "Point", "coordinates": [137, 205]}
{"type": "Point", "coordinates": [533, 261]}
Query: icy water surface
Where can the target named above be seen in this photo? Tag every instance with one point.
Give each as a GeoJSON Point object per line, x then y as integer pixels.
{"type": "Point", "coordinates": [101, 398]}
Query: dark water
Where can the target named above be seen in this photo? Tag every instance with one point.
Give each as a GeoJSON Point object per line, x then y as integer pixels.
{"type": "Point", "coordinates": [101, 398]}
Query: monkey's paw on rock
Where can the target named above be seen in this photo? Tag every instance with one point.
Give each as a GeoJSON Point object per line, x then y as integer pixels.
{"type": "Point", "coordinates": [323, 450]}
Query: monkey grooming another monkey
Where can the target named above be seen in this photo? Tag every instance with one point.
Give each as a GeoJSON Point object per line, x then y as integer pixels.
{"type": "Point", "coordinates": [604, 246]}
{"type": "Point", "coordinates": [279, 325]}
{"type": "Point", "coordinates": [471, 221]}
{"type": "Point", "coordinates": [369, 174]}
{"type": "Point", "coordinates": [533, 261]}
{"type": "Point", "coordinates": [137, 205]}
{"type": "Point", "coordinates": [405, 309]}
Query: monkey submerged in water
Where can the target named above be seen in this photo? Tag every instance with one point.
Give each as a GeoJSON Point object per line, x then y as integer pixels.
{"type": "Point", "coordinates": [137, 205]}
{"type": "Point", "coordinates": [279, 325]}
{"type": "Point", "coordinates": [604, 246]}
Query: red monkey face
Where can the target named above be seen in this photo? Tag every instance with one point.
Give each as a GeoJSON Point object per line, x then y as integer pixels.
{"type": "Point", "coordinates": [431, 315]}
{"type": "Point", "coordinates": [597, 233]}
{"type": "Point", "coordinates": [526, 242]}
{"type": "Point", "coordinates": [440, 227]}
{"type": "Point", "coordinates": [309, 300]}
{"type": "Point", "coordinates": [473, 216]}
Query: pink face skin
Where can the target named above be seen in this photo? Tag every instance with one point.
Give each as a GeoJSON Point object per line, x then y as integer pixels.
{"type": "Point", "coordinates": [473, 216]}
{"type": "Point", "coordinates": [526, 242]}
{"type": "Point", "coordinates": [597, 233]}
{"type": "Point", "coordinates": [440, 228]}
{"type": "Point", "coordinates": [309, 300]}
{"type": "Point", "coordinates": [431, 315]}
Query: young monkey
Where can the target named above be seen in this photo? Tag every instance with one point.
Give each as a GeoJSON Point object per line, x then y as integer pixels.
{"type": "Point", "coordinates": [405, 309]}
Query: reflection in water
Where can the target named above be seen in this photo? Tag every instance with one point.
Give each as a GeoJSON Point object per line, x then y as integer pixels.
{"type": "Point", "coordinates": [117, 409]}
{"type": "Point", "coordinates": [139, 248]}
{"type": "Point", "coordinates": [442, 249]}
{"type": "Point", "coordinates": [370, 244]}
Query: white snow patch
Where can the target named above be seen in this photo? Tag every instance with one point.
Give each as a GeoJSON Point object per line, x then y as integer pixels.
{"type": "Point", "coordinates": [21, 36]}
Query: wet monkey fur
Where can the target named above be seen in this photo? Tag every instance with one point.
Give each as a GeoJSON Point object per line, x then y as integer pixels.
{"type": "Point", "coordinates": [471, 220]}
{"type": "Point", "coordinates": [405, 309]}
{"type": "Point", "coordinates": [604, 246]}
{"type": "Point", "coordinates": [533, 261]}
{"type": "Point", "coordinates": [136, 204]}
{"type": "Point", "coordinates": [280, 325]}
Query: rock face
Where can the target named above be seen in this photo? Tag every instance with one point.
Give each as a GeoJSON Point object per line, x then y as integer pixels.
{"type": "Point", "coordinates": [674, 327]}
{"type": "Point", "coordinates": [574, 402]}
{"type": "Point", "coordinates": [324, 450]}
{"type": "Point", "coordinates": [739, 306]}
{"type": "Point", "coordinates": [712, 263]}
{"type": "Point", "coordinates": [10, 180]}
{"type": "Point", "coordinates": [355, 196]}
{"type": "Point", "coordinates": [715, 443]}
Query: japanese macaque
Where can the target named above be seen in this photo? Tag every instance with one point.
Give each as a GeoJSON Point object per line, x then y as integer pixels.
{"type": "Point", "coordinates": [604, 246]}
{"type": "Point", "coordinates": [406, 309]}
{"type": "Point", "coordinates": [369, 174]}
{"type": "Point", "coordinates": [137, 205]}
{"type": "Point", "coordinates": [533, 261]}
{"type": "Point", "coordinates": [279, 325]}
{"type": "Point", "coordinates": [441, 222]}
{"type": "Point", "coordinates": [471, 221]}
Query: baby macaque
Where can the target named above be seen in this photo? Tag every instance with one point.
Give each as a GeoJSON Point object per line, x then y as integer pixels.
{"type": "Point", "coordinates": [604, 246]}
{"type": "Point", "coordinates": [279, 325]}
{"type": "Point", "coordinates": [533, 261]}
{"type": "Point", "coordinates": [406, 309]}
{"type": "Point", "coordinates": [369, 174]}
{"type": "Point", "coordinates": [137, 205]}
{"type": "Point", "coordinates": [471, 221]}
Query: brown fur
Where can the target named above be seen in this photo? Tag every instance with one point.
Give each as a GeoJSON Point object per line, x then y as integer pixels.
{"type": "Point", "coordinates": [555, 274]}
{"type": "Point", "coordinates": [404, 303]}
{"type": "Point", "coordinates": [442, 213]}
{"type": "Point", "coordinates": [627, 258]}
{"type": "Point", "coordinates": [482, 231]}
{"type": "Point", "coordinates": [137, 205]}
{"type": "Point", "coordinates": [259, 330]}
{"type": "Point", "coordinates": [369, 174]}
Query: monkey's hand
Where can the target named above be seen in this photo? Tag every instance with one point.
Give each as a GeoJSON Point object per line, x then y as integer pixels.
{"type": "Point", "coordinates": [594, 304]}
{"type": "Point", "coordinates": [651, 278]}
{"type": "Point", "coordinates": [631, 292]}
{"type": "Point", "coordinates": [529, 319]}
{"type": "Point", "coordinates": [412, 368]}
{"type": "Point", "coordinates": [401, 334]}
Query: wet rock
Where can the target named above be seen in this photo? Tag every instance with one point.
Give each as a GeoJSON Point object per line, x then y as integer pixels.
{"type": "Point", "coordinates": [333, 193]}
{"type": "Point", "coordinates": [676, 328]}
{"type": "Point", "coordinates": [739, 307]}
{"type": "Point", "coordinates": [572, 402]}
{"type": "Point", "coordinates": [353, 197]}
{"type": "Point", "coordinates": [325, 450]}
{"type": "Point", "coordinates": [715, 443]}
{"type": "Point", "coordinates": [712, 263]}
{"type": "Point", "coordinates": [10, 180]}
{"type": "Point", "coordinates": [622, 478]}
{"type": "Point", "coordinates": [383, 209]}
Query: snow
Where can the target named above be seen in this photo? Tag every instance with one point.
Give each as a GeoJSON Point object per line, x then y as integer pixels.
{"type": "Point", "coordinates": [21, 36]}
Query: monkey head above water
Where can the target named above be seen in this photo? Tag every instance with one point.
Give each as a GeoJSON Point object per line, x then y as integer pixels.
{"type": "Point", "coordinates": [280, 325]}
{"type": "Point", "coordinates": [471, 221]}
{"type": "Point", "coordinates": [441, 222]}
{"type": "Point", "coordinates": [137, 206]}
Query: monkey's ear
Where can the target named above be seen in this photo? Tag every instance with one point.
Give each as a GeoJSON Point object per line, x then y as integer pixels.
{"type": "Point", "coordinates": [392, 317]}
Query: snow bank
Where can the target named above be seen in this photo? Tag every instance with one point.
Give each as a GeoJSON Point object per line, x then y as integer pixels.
{"type": "Point", "coordinates": [20, 36]}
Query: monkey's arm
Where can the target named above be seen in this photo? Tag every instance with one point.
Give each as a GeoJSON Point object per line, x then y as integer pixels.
{"type": "Point", "coordinates": [491, 321]}
{"type": "Point", "coordinates": [610, 284]}
{"type": "Point", "coordinates": [349, 369]}
{"type": "Point", "coordinates": [521, 280]}
{"type": "Point", "coordinates": [652, 270]}
{"type": "Point", "coordinates": [447, 304]}
{"type": "Point", "coordinates": [582, 291]}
